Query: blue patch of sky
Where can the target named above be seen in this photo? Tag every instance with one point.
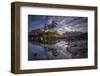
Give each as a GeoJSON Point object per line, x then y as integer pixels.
{"type": "Point", "coordinates": [35, 22]}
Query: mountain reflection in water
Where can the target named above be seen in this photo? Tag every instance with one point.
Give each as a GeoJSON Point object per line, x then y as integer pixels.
{"type": "Point", "coordinates": [57, 49]}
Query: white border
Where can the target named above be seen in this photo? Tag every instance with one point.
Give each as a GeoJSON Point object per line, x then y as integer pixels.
{"type": "Point", "coordinates": [25, 64]}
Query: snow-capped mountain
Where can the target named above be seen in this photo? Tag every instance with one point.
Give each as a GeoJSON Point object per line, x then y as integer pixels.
{"type": "Point", "coordinates": [63, 30]}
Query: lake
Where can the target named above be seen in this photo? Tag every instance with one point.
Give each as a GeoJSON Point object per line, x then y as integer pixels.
{"type": "Point", "coordinates": [57, 49]}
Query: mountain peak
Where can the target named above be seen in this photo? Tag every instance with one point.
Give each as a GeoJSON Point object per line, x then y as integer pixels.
{"type": "Point", "coordinates": [64, 29]}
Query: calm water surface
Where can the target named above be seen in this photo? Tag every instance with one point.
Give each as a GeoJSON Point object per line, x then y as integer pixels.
{"type": "Point", "coordinates": [60, 50]}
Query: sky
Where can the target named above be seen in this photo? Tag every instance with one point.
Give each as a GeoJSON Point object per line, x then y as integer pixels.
{"type": "Point", "coordinates": [70, 22]}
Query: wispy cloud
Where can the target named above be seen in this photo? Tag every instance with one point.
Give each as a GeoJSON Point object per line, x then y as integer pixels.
{"type": "Point", "coordinates": [73, 23]}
